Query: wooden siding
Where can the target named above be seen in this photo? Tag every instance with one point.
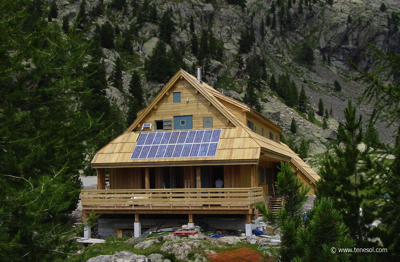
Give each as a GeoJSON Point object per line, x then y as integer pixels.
{"type": "Point", "coordinates": [197, 106]}
{"type": "Point", "coordinates": [259, 125]}
{"type": "Point", "coordinates": [126, 178]}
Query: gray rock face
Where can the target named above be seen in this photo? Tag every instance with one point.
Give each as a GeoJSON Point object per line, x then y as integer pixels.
{"type": "Point", "coordinates": [330, 134]}
{"type": "Point", "coordinates": [181, 250]}
{"type": "Point", "coordinates": [145, 244]}
{"type": "Point", "coordinates": [123, 256]}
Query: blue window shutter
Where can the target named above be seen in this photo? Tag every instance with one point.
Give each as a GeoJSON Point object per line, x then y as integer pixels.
{"type": "Point", "coordinates": [177, 97]}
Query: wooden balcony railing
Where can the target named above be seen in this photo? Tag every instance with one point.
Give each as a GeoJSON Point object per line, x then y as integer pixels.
{"type": "Point", "coordinates": [182, 200]}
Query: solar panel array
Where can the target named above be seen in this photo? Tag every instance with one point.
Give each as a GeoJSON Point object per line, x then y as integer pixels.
{"type": "Point", "coordinates": [172, 144]}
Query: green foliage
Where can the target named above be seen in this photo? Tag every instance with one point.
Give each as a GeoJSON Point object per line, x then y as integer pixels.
{"type": "Point", "coordinates": [293, 126]}
{"type": "Point", "coordinates": [107, 35]}
{"type": "Point", "coordinates": [53, 10]}
{"type": "Point", "coordinates": [268, 21]}
{"type": "Point", "coordinates": [116, 76]}
{"type": "Point", "coordinates": [338, 87]}
{"type": "Point", "coordinates": [300, 10]}
{"type": "Point", "coordinates": [325, 120]}
{"type": "Point", "coordinates": [320, 107]}
{"type": "Point", "coordinates": [191, 25]}
{"type": "Point", "coordinates": [306, 54]}
{"type": "Point", "coordinates": [341, 177]}
{"type": "Point", "coordinates": [136, 90]}
{"type": "Point", "coordinates": [383, 7]}
{"type": "Point", "coordinates": [81, 17]}
{"type": "Point", "coordinates": [329, 2]}
{"type": "Point", "coordinates": [194, 44]}
{"type": "Point", "coordinates": [167, 27]}
{"type": "Point", "coordinates": [246, 40]}
{"type": "Point", "coordinates": [241, 3]}
{"type": "Point", "coordinates": [42, 135]}
{"type": "Point", "coordinates": [303, 149]}
{"type": "Point", "coordinates": [65, 24]}
{"type": "Point", "coordinates": [349, 20]}
{"type": "Point", "coordinates": [251, 99]}
{"type": "Point", "coordinates": [273, 24]}
{"type": "Point", "coordinates": [118, 4]}
{"type": "Point", "coordinates": [303, 101]}
{"type": "Point", "coordinates": [324, 230]}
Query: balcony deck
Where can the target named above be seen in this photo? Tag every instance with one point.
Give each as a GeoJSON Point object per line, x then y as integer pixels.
{"type": "Point", "coordinates": [172, 201]}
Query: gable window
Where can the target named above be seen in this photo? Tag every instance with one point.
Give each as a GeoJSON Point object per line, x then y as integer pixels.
{"type": "Point", "coordinates": [163, 124]}
{"type": "Point", "coordinates": [271, 136]}
{"type": "Point", "coordinates": [177, 97]}
{"type": "Point", "coordinates": [183, 122]}
{"type": "Point", "coordinates": [262, 131]}
{"type": "Point", "coordinates": [207, 122]}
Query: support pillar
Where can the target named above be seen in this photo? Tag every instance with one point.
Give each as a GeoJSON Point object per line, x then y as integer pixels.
{"type": "Point", "coordinates": [101, 178]}
{"type": "Point", "coordinates": [190, 224]}
{"type": "Point", "coordinates": [137, 228]}
{"type": "Point", "coordinates": [87, 231]}
{"type": "Point", "coordinates": [248, 230]}
{"type": "Point", "coordinates": [147, 178]}
{"type": "Point", "coordinates": [198, 177]}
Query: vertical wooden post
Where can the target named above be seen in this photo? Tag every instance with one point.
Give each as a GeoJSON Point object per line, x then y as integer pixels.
{"type": "Point", "coordinates": [253, 175]}
{"type": "Point", "coordinates": [137, 218]}
{"type": "Point", "coordinates": [248, 219]}
{"type": "Point", "coordinates": [147, 178]}
{"type": "Point", "coordinates": [198, 177]}
{"type": "Point", "coordinates": [190, 218]}
{"type": "Point", "coordinates": [101, 178]}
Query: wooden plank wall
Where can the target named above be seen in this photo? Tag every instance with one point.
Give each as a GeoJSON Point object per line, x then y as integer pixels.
{"type": "Point", "coordinates": [126, 178]}
{"type": "Point", "coordinates": [259, 124]}
{"type": "Point", "coordinates": [237, 176]}
{"type": "Point", "coordinates": [198, 106]}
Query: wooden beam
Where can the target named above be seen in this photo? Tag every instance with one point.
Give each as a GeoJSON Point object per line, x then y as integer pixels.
{"type": "Point", "coordinates": [198, 177]}
{"type": "Point", "coordinates": [147, 178]}
{"type": "Point", "coordinates": [101, 178]}
{"type": "Point", "coordinates": [253, 176]}
{"type": "Point", "coordinates": [190, 218]}
{"type": "Point", "coordinates": [137, 217]}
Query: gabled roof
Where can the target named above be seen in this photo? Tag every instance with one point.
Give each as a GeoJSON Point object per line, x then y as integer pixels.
{"type": "Point", "coordinates": [238, 145]}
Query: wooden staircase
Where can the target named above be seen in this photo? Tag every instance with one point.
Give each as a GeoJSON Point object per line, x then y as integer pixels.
{"type": "Point", "coordinates": [275, 204]}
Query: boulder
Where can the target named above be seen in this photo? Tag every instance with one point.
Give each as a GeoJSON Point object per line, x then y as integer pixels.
{"type": "Point", "coordinates": [156, 257]}
{"type": "Point", "coordinates": [330, 134]}
{"type": "Point", "coordinates": [123, 256]}
{"type": "Point", "coordinates": [149, 46]}
{"type": "Point", "coordinates": [145, 244]}
{"type": "Point", "coordinates": [229, 240]}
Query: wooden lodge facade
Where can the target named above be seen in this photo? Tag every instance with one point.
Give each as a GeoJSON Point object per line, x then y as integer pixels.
{"type": "Point", "coordinates": [187, 138]}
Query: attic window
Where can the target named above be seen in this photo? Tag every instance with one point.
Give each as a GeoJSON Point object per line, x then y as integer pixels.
{"type": "Point", "coordinates": [163, 124]}
{"type": "Point", "coordinates": [271, 136]}
{"type": "Point", "coordinates": [250, 125]}
{"type": "Point", "coordinates": [262, 131]}
{"type": "Point", "coordinates": [177, 97]}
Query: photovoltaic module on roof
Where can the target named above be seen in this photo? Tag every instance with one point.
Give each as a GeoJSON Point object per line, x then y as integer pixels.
{"type": "Point", "coordinates": [174, 144]}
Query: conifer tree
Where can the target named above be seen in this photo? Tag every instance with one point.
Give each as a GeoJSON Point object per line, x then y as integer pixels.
{"type": "Point", "coordinates": [81, 17]}
{"type": "Point", "coordinates": [273, 24]}
{"type": "Point", "coordinates": [303, 100]}
{"type": "Point", "coordinates": [158, 65]}
{"type": "Point", "coordinates": [191, 26]}
{"type": "Point", "coordinates": [349, 20]}
{"type": "Point", "coordinates": [262, 30]}
{"type": "Point", "coordinates": [383, 7]}
{"type": "Point", "coordinates": [167, 27]}
{"type": "Point", "coordinates": [325, 120]}
{"type": "Point", "coordinates": [107, 35]}
{"type": "Point", "coordinates": [293, 126]}
{"type": "Point", "coordinates": [273, 85]}
{"type": "Point", "coordinates": [289, 4]}
{"type": "Point", "coordinates": [338, 87]}
{"type": "Point", "coordinates": [303, 150]}
{"type": "Point", "coordinates": [65, 24]}
{"type": "Point", "coordinates": [306, 53]}
{"type": "Point", "coordinates": [117, 74]}
{"type": "Point", "coordinates": [53, 11]}
{"type": "Point", "coordinates": [341, 176]}
{"type": "Point", "coordinates": [300, 10]}
{"type": "Point", "coordinates": [203, 51]}
{"type": "Point", "coordinates": [273, 8]}
{"type": "Point", "coordinates": [194, 44]}
{"type": "Point", "coordinates": [42, 135]}
{"type": "Point", "coordinates": [320, 107]}
{"type": "Point", "coordinates": [251, 99]}
{"type": "Point", "coordinates": [268, 21]}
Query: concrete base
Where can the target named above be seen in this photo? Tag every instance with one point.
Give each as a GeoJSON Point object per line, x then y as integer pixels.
{"type": "Point", "coordinates": [87, 232]}
{"type": "Point", "coordinates": [190, 225]}
{"type": "Point", "coordinates": [248, 231]}
{"type": "Point", "coordinates": [137, 229]}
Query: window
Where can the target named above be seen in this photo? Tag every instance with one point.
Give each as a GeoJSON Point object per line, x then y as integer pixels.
{"type": "Point", "coordinates": [163, 124]}
{"type": "Point", "coordinates": [250, 125]}
{"type": "Point", "coordinates": [177, 97]}
{"type": "Point", "coordinates": [271, 136]}
{"type": "Point", "coordinates": [262, 131]}
{"type": "Point", "coordinates": [183, 122]}
{"type": "Point", "coordinates": [261, 176]}
{"type": "Point", "coordinates": [207, 122]}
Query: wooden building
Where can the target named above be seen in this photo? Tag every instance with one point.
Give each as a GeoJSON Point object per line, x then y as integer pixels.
{"type": "Point", "coordinates": [187, 138]}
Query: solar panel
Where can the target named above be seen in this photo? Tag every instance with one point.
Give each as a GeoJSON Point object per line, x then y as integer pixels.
{"type": "Point", "coordinates": [175, 144]}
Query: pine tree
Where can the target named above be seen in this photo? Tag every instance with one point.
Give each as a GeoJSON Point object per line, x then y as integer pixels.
{"type": "Point", "coordinates": [203, 51]}
{"type": "Point", "coordinates": [136, 90]}
{"type": "Point", "coordinates": [167, 27]}
{"type": "Point", "coordinates": [273, 85]}
{"type": "Point", "coordinates": [320, 107]}
{"type": "Point", "coordinates": [65, 24]}
{"type": "Point", "coordinates": [349, 20]}
{"type": "Point", "coordinates": [191, 26]}
{"type": "Point", "coordinates": [303, 100]}
{"type": "Point", "coordinates": [293, 126]}
{"type": "Point", "coordinates": [341, 176]}
{"type": "Point", "coordinates": [158, 65]}
{"type": "Point", "coordinates": [289, 4]}
{"type": "Point", "coordinates": [329, 2]}
{"type": "Point", "coordinates": [42, 136]}
{"type": "Point", "coordinates": [262, 30]}
{"type": "Point", "coordinates": [117, 75]}
{"type": "Point", "coordinates": [195, 44]}
{"type": "Point", "coordinates": [306, 54]}
{"type": "Point", "coordinates": [53, 10]}
{"type": "Point", "coordinates": [303, 150]}
{"type": "Point", "coordinates": [273, 24]}
{"type": "Point", "coordinates": [81, 17]}
{"type": "Point", "coordinates": [268, 21]}
{"type": "Point", "coordinates": [383, 7]}
{"type": "Point", "coordinates": [273, 8]}
{"type": "Point", "coordinates": [331, 112]}
{"type": "Point", "coordinates": [251, 99]}
{"type": "Point", "coordinates": [107, 35]}
{"type": "Point", "coordinates": [300, 10]}
{"type": "Point", "coordinates": [325, 120]}
{"type": "Point", "coordinates": [338, 87]}
{"type": "Point", "coordinates": [323, 232]}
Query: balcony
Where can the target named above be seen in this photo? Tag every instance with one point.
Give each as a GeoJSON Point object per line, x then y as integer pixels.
{"type": "Point", "coordinates": [172, 201]}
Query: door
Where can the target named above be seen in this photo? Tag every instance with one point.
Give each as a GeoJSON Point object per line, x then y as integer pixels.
{"type": "Point", "coordinates": [183, 122]}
